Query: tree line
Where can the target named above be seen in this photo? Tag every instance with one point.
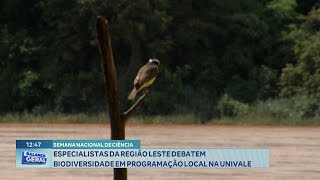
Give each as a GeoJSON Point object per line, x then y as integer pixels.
{"type": "Point", "coordinates": [217, 57]}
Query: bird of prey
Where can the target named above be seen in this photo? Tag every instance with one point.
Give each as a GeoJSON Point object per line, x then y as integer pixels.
{"type": "Point", "coordinates": [145, 77]}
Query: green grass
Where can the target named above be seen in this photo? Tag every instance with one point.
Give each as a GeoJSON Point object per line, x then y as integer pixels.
{"type": "Point", "coordinates": [258, 120]}
{"type": "Point", "coordinates": [54, 118]}
{"type": "Point", "coordinates": [173, 119]}
{"type": "Point", "coordinates": [60, 118]}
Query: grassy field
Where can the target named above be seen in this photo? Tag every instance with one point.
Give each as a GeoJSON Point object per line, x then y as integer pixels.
{"type": "Point", "coordinates": [173, 119]}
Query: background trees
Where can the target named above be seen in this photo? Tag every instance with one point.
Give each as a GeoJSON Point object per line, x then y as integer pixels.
{"type": "Point", "coordinates": [210, 52]}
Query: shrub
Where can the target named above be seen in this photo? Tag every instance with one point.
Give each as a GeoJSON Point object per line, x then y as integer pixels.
{"type": "Point", "coordinates": [299, 106]}
{"type": "Point", "coordinates": [230, 107]}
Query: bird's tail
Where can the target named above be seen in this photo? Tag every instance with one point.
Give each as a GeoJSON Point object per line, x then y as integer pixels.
{"type": "Point", "coordinates": [133, 94]}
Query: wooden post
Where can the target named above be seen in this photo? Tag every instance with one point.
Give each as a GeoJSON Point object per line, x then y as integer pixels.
{"type": "Point", "coordinates": [117, 118]}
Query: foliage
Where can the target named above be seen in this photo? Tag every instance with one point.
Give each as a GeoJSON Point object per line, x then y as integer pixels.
{"type": "Point", "coordinates": [304, 75]}
{"type": "Point", "coordinates": [296, 107]}
{"type": "Point", "coordinates": [230, 107]}
{"type": "Point", "coordinates": [251, 50]}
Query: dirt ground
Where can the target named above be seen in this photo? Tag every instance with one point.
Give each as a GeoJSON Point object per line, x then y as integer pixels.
{"type": "Point", "coordinates": [294, 151]}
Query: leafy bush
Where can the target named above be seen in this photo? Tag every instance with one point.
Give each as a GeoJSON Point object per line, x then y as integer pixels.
{"type": "Point", "coordinates": [299, 106]}
{"type": "Point", "coordinates": [230, 107]}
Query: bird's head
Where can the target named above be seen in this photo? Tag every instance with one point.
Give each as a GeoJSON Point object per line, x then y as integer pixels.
{"type": "Point", "coordinates": [154, 61]}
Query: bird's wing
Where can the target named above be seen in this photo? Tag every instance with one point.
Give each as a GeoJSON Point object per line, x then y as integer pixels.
{"type": "Point", "coordinates": [146, 73]}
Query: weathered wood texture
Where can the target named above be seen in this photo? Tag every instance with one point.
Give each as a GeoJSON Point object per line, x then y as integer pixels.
{"type": "Point", "coordinates": [117, 118]}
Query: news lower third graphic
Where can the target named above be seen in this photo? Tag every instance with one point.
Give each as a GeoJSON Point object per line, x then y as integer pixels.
{"type": "Point", "coordinates": [129, 154]}
{"type": "Point", "coordinates": [29, 157]}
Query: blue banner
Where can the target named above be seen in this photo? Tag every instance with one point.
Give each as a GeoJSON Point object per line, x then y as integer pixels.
{"type": "Point", "coordinates": [78, 144]}
{"type": "Point", "coordinates": [43, 144]}
{"type": "Point", "coordinates": [128, 154]}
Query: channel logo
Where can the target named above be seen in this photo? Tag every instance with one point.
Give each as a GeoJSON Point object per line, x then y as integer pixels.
{"type": "Point", "coordinates": [33, 158]}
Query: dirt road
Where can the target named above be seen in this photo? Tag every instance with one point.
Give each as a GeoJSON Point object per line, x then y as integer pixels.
{"type": "Point", "coordinates": [294, 151]}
